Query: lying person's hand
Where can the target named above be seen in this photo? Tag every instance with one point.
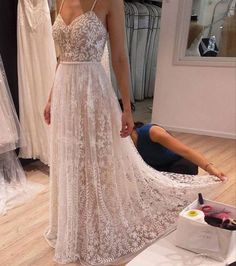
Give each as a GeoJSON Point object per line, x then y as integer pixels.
{"type": "Point", "coordinates": [212, 170]}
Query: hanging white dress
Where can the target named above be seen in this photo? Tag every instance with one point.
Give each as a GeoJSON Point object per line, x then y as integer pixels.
{"type": "Point", "coordinates": [36, 70]}
{"type": "Point", "coordinates": [106, 203]}
{"type": "Point", "coordinates": [52, 5]}
{"type": "Point", "coordinates": [14, 188]}
{"type": "Point", "coordinates": [9, 125]}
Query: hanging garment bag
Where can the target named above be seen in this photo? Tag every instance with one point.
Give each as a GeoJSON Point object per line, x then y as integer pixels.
{"type": "Point", "coordinates": [142, 40]}
{"type": "Point", "coordinates": [134, 43]}
{"type": "Point", "coordinates": [154, 50]}
{"type": "Point", "coordinates": [149, 48]}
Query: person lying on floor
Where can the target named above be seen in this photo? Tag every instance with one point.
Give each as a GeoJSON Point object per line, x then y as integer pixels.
{"type": "Point", "coordinates": [165, 153]}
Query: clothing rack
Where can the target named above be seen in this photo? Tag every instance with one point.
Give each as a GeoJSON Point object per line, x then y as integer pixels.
{"type": "Point", "coordinates": [142, 34]}
{"type": "Point", "coordinates": [151, 2]}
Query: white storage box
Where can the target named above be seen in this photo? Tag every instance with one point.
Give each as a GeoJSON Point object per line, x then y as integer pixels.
{"type": "Point", "coordinates": [202, 238]}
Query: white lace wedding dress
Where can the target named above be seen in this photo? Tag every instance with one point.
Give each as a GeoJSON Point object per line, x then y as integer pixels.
{"type": "Point", "coordinates": [106, 203]}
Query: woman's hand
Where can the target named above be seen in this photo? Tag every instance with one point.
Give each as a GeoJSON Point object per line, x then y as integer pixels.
{"type": "Point", "coordinates": [47, 113]}
{"type": "Point", "coordinates": [212, 170]}
{"type": "Point", "coordinates": [127, 124]}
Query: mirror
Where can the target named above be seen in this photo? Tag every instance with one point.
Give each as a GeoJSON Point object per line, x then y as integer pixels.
{"type": "Point", "coordinates": [208, 33]}
{"type": "Point", "coordinates": [212, 30]}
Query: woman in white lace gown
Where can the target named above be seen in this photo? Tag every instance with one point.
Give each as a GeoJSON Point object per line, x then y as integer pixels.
{"type": "Point", "coordinates": [106, 203]}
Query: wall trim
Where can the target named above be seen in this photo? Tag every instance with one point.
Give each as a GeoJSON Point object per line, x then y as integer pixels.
{"type": "Point", "coordinates": [210, 133]}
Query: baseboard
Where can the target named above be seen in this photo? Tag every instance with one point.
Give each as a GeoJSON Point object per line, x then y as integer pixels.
{"type": "Point", "coordinates": [200, 132]}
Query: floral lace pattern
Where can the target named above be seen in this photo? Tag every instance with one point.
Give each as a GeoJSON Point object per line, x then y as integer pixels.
{"type": "Point", "coordinates": [106, 203]}
{"type": "Point", "coordinates": [78, 43]}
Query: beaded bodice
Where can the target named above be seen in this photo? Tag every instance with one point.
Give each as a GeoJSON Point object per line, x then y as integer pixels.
{"type": "Point", "coordinates": [83, 39]}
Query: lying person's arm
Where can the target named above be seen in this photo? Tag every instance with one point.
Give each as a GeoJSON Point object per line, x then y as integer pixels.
{"type": "Point", "coordinates": [160, 135]}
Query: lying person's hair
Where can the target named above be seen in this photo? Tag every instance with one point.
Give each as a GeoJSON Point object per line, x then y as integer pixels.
{"type": "Point", "coordinates": [138, 124]}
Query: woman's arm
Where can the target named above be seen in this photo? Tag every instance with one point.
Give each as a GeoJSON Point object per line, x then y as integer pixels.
{"type": "Point", "coordinates": [160, 135]}
{"type": "Point", "coordinates": [47, 109]}
{"type": "Point", "coordinates": [120, 63]}
{"type": "Point", "coordinates": [50, 94]}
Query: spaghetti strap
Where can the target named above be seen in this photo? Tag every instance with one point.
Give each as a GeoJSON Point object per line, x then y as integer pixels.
{"type": "Point", "coordinates": [94, 3]}
{"type": "Point", "coordinates": [62, 3]}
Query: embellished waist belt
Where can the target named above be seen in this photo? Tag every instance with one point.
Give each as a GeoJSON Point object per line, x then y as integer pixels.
{"type": "Point", "coordinates": [79, 62]}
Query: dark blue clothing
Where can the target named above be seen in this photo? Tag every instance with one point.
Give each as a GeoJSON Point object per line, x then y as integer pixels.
{"type": "Point", "coordinates": [153, 153]}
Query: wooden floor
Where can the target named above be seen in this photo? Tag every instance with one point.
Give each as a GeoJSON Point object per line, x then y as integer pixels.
{"type": "Point", "coordinates": [21, 230]}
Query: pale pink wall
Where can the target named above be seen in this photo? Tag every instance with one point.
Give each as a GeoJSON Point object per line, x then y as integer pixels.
{"type": "Point", "coordinates": [192, 98]}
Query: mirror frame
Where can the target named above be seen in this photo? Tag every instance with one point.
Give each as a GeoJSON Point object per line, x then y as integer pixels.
{"type": "Point", "coordinates": [182, 31]}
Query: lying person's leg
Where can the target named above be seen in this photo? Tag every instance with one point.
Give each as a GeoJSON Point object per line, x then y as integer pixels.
{"type": "Point", "coordinates": [183, 166]}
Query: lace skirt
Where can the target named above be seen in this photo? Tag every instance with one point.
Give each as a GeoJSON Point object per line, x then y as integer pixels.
{"type": "Point", "coordinates": [106, 203]}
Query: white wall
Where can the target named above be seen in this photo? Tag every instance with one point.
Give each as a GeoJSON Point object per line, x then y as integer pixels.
{"type": "Point", "coordinates": [193, 99]}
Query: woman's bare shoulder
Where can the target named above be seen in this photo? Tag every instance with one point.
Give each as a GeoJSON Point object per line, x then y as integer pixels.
{"type": "Point", "coordinates": [157, 128]}
{"type": "Point", "coordinates": [156, 132]}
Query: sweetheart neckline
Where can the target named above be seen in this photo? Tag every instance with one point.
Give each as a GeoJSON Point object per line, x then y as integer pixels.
{"type": "Point", "coordinates": [81, 15]}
